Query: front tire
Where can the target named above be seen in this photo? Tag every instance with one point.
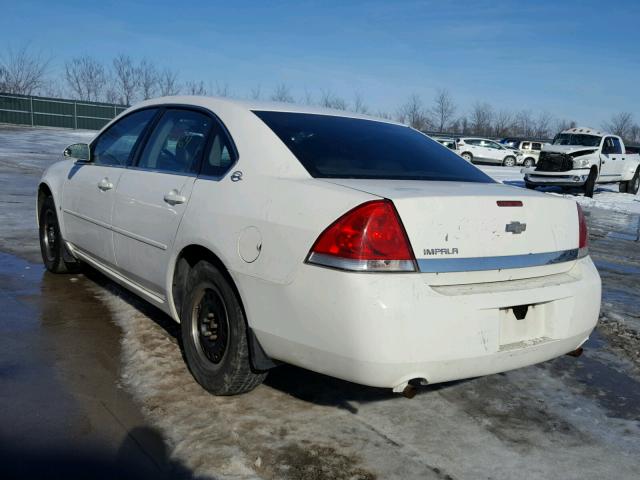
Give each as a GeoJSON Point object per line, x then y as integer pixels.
{"type": "Point", "coordinates": [590, 184]}
{"type": "Point", "coordinates": [509, 161]}
{"type": "Point", "coordinates": [467, 156]}
{"type": "Point", "coordinates": [214, 334]}
{"type": "Point", "coordinates": [54, 255]}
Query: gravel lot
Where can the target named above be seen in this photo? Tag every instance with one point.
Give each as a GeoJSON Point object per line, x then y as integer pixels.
{"type": "Point", "coordinates": [120, 400]}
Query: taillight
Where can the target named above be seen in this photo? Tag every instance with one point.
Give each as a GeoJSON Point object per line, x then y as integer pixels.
{"type": "Point", "coordinates": [583, 234]}
{"type": "Point", "coordinates": [368, 238]}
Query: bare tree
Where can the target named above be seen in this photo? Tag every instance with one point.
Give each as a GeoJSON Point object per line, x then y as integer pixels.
{"type": "Point", "coordinates": [86, 78]}
{"type": "Point", "coordinates": [443, 109]}
{"type": "Point", "coordinates": [328, 99]}
{"type": "Point", "coordinates": [565, 125]}
{"type": "Point", "coordinates": [385, 115]}
{"type": "Point", "coordinates": [358, 104]}
{"type": "Point", "coordinates": [127, 78]}
{"type": "Point", "coordinates": [308, 97]}
{"type": "Point", "coordinates": [542, 125]}
{"type": "Point", "coordinates": [23, 71]}
{"type": "Point", "coordinates": [196, 88]}
{"type": "Point", "coordinates": [222, 89]}
{"type": "Point", "coordinates": [256, 93]}
{"type": "Point", "coordinates": [413, 113]}
{"type": "Point", "coordinates": [168, 82]}
{"type": "Point", "coordinates": [481, 118]}
{"type": "Point", "coordinates": [148, 79]}
{"type": "Point", "coordinates": [524, 124]}
{"type": "Point", "coordinates": [620, 124]}
{"type": "Point", "coordinates": [282, 93]}
{"type": "Point", "coordinates": [503, 123]}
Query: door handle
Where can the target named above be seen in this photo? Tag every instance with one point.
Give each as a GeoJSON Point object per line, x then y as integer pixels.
{"type": "Point", "coordinates": [105, 184]}
{"type": "Point", "coordinates": [174, 197]}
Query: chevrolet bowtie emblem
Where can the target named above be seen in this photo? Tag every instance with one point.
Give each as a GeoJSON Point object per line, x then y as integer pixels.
{"type": "Point", "coordinates": [515, 227]}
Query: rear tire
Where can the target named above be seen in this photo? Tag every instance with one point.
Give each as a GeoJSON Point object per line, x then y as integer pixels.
{"type": "Point", "coordinates": [590, 184]}
{"type": "Point", "coordinates": [509, 161]}
{"type": "Point", "coordinates": [528, 162]}
{"type": "Point", "coordinates": [54, 254]}
{"type": "Point", "coordinates": [214, 334]}
{"type": "Point", "coordinates": [633, 185]}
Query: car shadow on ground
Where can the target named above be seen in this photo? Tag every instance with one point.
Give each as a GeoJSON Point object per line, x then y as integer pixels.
{"type": "Point", "coordinates": [297, 382]}
{"type": "Point", "coordinates": [142, 455]}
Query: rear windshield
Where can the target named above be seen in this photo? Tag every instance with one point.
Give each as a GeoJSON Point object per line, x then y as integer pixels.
{"type": "Point", "coordinates": [577, 139]}
{"type": "Point", "coordinates": [339, 147]}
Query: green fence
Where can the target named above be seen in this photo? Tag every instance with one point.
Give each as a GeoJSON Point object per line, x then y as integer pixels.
{"type": "Point", "coordinates": [54, 112]}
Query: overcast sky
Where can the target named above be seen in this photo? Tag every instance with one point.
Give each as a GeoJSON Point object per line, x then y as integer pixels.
{"type": "Point", "coordinates": [575, 59]}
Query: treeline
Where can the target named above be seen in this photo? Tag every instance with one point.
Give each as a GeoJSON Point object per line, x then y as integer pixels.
{"type": "Point", "coordinates": [126, 80]}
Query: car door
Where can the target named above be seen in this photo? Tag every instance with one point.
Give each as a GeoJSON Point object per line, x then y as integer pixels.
{"type": "Point", "coordinates": [608, 160]}
{"type": "Point", "coordinates": [89, 190]}
{"type": "Point", "coordinates": [473, 146]}
{"type": "Point", "coordinates": [492, 152]}
{"type": "Point", "coordinates": [153, 195]}
{"type": "Point", "coordinates": [619, 158]}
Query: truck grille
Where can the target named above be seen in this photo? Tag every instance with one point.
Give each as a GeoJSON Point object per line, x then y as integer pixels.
{"type": "Point", "coordinates": [554, 162]}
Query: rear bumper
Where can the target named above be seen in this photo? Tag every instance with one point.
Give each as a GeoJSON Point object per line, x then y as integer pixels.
{"type": "Point", "coordinates": [567, 179]}
{"type": "Point", "coordinates": [384, 330]}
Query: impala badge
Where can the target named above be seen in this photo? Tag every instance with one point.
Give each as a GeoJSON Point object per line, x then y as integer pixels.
{"type": "Point", "coordinates": [515, 227]}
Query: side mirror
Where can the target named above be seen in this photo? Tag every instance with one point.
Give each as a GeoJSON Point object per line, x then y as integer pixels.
{"type": "Point", "coordinates": [78, 151]}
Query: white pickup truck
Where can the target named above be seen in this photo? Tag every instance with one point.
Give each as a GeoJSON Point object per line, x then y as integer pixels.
{"type": "Point", "coordinates": [582, 157]}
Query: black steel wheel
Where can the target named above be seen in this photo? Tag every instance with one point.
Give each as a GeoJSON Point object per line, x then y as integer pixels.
{"type": "Point", "coordinates": [54, 255]}
{"type": "Point", "coordinates": [215, 334]}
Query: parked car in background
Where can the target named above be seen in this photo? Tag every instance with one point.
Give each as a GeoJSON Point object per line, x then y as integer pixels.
{"type": "Point", "coordinates": [484, 150]}
{"type": "Point", "coordinates": [530, 152]}
{"type": "Point", "coordinates": [349, 245]}
{"type": "Point", "coordinates": [583, 157]}
{"type": "Point", "coordinates": [448, 142]}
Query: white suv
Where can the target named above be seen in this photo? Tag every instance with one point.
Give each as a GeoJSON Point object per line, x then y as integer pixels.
{"type": "Point", "coordinates": [530, 152]}
{"type": "Point", "coordinates": [484, 150]}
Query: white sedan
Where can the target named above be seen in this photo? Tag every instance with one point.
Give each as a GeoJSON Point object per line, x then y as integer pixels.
{"type": "Point", "coordinates": [344, 244]}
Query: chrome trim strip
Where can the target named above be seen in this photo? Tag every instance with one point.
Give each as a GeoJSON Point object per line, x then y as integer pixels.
{"type": "Point", "coordinates": [504, 262]}
{"type": "Point", "coordinates": [139, 238]}
{"type": "Point", "coordinates": [125, 233]}
{"type": "Point", "coordinates": [87, 219]}
{"type": "Point", "coordinates": [339, 263]}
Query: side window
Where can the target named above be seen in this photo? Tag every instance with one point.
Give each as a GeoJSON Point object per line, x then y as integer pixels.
{"type": "Point", "coordinates": [494, 145]}
{"type": "Point", "coordinates": [177, 142]}
{"type": "Point", "coordinates": [115, 145]}
{"type": "Point", "coordinates": [536, 146]}
{"type": "Point", "coordinates": [617, 147]}
{"type": "Point", "coordinates": [525, 146]}
{"type": "Point", "coordinates": [607, 146]}
{"type": "Point", "coordinates": [220, 157]}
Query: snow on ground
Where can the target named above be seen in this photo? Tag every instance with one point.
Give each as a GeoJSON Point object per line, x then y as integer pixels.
{"type": "Point", "coordinates": [577, 418]}
{"type": "Point", "coordinates": [606, 196]}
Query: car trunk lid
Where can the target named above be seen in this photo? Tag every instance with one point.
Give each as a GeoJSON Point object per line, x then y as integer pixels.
{"type": "Point", "coordinates": [471, 232]}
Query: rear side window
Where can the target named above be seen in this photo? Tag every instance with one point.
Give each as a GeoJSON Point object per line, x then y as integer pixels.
{"type": "Point", "coordinates": [177, 142]}
{"type": "Point", "coordinates": [536, 146]}
{"type": "Point", "coordinates": [617, 146]}
{"type": "Point", "coordinates": [116, 144]}
{"type": "Point", "coordinates": [339, 147]}
{"type": "Point", "coordinates": [221, 155]}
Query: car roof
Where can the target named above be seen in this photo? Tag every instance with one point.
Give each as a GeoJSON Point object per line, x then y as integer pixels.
{"type": "Point", "coordinates": [217, 103]}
